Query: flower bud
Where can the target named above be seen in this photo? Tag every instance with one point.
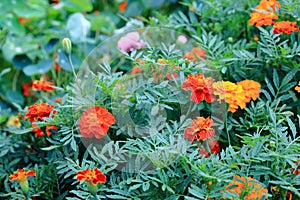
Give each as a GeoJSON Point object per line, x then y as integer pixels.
{"type": "Point", "coordinates": [272, 144]}
{"type": "Point", "coordinates": [67, 45]}
{"type": "Point", "coordinates": [230, 39]}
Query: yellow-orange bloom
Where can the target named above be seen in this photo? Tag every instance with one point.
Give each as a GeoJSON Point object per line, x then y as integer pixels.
{"type": "Point", "coordinates": [297, 88]}
{"type": "Point", "coordinates": [285, 27]}
{"type": "Point", "coordinates": [21, 175]}
{"type": "Point", "coordinates": [42, 85]}
{"type": "Point", "coordinates": [247, 188]}
{"type": "Point", "coordinates": [232, 93]}
{"type": "Point", "coordinates": [263, 15]}
{"type": "Point", "coordinates": [251, 88]}
{"type": "Point", "coordinates": [262, 19]}
{"type": "Point", "coordinates": [13, 121]}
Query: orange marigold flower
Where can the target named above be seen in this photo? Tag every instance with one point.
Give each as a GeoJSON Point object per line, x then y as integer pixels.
{"type": "Point", "coordinates": [195, 54]}
{"type": "Point", "coordinates": [95, 122]}
{"type": "Point", "coordinates": [57, 67]}
{"type": "Point", "coordinates": [247, 187]}
{"type": "Point", "coordinates": [93, 176]}
{"type": "Point", "coordinates": [256, 38]}
{"type": "Point", "coordinates": [58, 100]}
{"type": "Point", "coordinates": [285, 27]}
{"type": "Point", "coordinates": [232, 93]}
{"type": "Point", "coordinates": [39, 111]}
{"type": "Point", "coordinates": [263, 14]}
{"type": "Point", "coordinates": [23, 21]}
{"type": "Point", "coordinates": [42, 85]}
{"type": "Point", "coordinates": [267, 4]}
{"type": "Point", "coordinates": [136, 70]}
{"type": "Point", "coordinates": [297, 88]}
{"type": "Point", "coordinates": [201, 88]}
{"type": "Point", "coordinates": [262, 19]}
{"type": "Point", "coordinates": [200, 129]}
{"type": "Point", "coordinates": [251, 89]}
{"type": "Point", "coordinates": [214, 147]}
{"type": "Point", "coordinates": [21, 175]}
{"type": "Point", "coordinates": [122, 6]}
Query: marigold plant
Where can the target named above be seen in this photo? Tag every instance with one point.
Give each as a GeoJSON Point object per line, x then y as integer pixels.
{"type": "Point", "coordinates": [285, 27]}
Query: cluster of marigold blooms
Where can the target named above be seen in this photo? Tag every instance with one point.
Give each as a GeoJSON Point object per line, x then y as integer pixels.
{"type": "Point", "coordinates": [92, 177]}
{"type": "Point", "coordinates": [202, 88]}
{"type": "Point", "coordinates": [265, 14]}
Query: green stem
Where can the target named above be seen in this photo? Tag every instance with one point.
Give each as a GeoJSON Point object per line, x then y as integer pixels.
{"type": "Point", "coordinates": [73, 70]}
{"type": "Point", "coordinates": [226, 128]}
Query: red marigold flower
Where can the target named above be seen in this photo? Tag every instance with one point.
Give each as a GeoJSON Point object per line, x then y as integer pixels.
{"type": "Point", "coordinates": [21, 175]}
{"type": "Point", "coordinates": [201, 88]}
{"type": "Point", "coordinates": [200, 129]}
{"type": "Point", "coordinates": [93, 176]}
{"type": "Point", "coordinates": [49, 128]}
{"type": "Point", "coordinates": [39, 111]}
{"type": "Point", "coordinates": [57, 67]}
{"type": "Point", "coordinates": [285, 27]}
{"type": "Point", "coordinates": [214, 147]}
{"type": "Point", "coordinates": [42, 85]}
{"type": "Point", "coordinates": [23, 21]}
{"type": "Point", "coordinates": [95, 122]}
{"type": "Point", "coordinates": [122, 6]}
{"type": "Point", "coordinates": [195, 54]}
{"type": "Point", "coordinates": [247, 187]}
{"type": "Point", "coordinates": [38, 131]}
{"type": "Point", "coordinates": [26, 88]}
{"type": "Point", "coordinates": [251, 88]}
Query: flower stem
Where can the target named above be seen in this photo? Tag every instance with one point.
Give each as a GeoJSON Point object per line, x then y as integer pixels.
{"type": "Point", "coordinates": [226, 128]}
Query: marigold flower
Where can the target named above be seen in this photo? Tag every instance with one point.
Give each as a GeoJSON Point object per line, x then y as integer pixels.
{"type": "Point", "coordinates": [93, 176]}
{"type": "Point", "coordinates": [201, 88]}
{"type": "Point", "coordinates": [285, 27]}
{"type": "Point", "coordinates": [26, 88]}
{"type": "Point", "coordinates": [263, 14]}
{"type": "Point", "coordinates": [38, 131]}
{"type": "Point", "coordinates": [23, 21]}
{"type": "Point", "coordinates": [214, 147]}
{"type": "Point", "coordinates": [250, 188]}
{"type": "Point", "coordinates": [122, 6]}
{"type": "Point", "coordinates": [232, 93]}
{"type": "Point", "coordinates": [130, 41]}
{"type": "Point", "coordinates": [262, 19]}
{"type": "Point", "coordinates": [95, 122]}
{"type": "Point", "coordinates": [200, 129]}
{"type": "Point", "coordinates": [42, 85]}
{"type": "Point", "coordinates": [50, 128]}
{"type": "Point", "coordinates": [297, 88]}
{"type": "Point", "coordinates": [39, 111]}
{"type": "Point", "coordinates": [21, 176]}
{"type": "Point", "coordinates": [251, 89]}
{"type": "Point", "coordinates": [136, 70]}
{"type": "Point", "coordinates": [57, 67]}
{"type": "Point", "coordinates": [58, 100]}
{"type": "Point", "coordinates": [195, 54]}
{"type": "Point", "coordinates": [13, 121]}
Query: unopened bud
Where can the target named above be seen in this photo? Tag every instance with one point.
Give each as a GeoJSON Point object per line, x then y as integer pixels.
{"type": "Point", "coordinates": [230, 39]}
{"type": "Point", "coordinates": [67, 45]}
{"type": "Point", "coordinates": [272, 143]}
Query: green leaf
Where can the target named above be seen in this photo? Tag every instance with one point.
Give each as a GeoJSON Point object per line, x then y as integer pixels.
{"type": "Point", "coordinates": [79, 5]}
{"type": "Point", "coordinates": [15, 97]}
{"type": "Point", "coordinates": [40, 68]}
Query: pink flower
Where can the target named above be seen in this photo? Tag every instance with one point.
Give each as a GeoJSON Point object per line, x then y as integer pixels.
{"type": "Point", "coordinates": [182, 39]}
{"type": "Point", "coordinates": [130, 41]}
